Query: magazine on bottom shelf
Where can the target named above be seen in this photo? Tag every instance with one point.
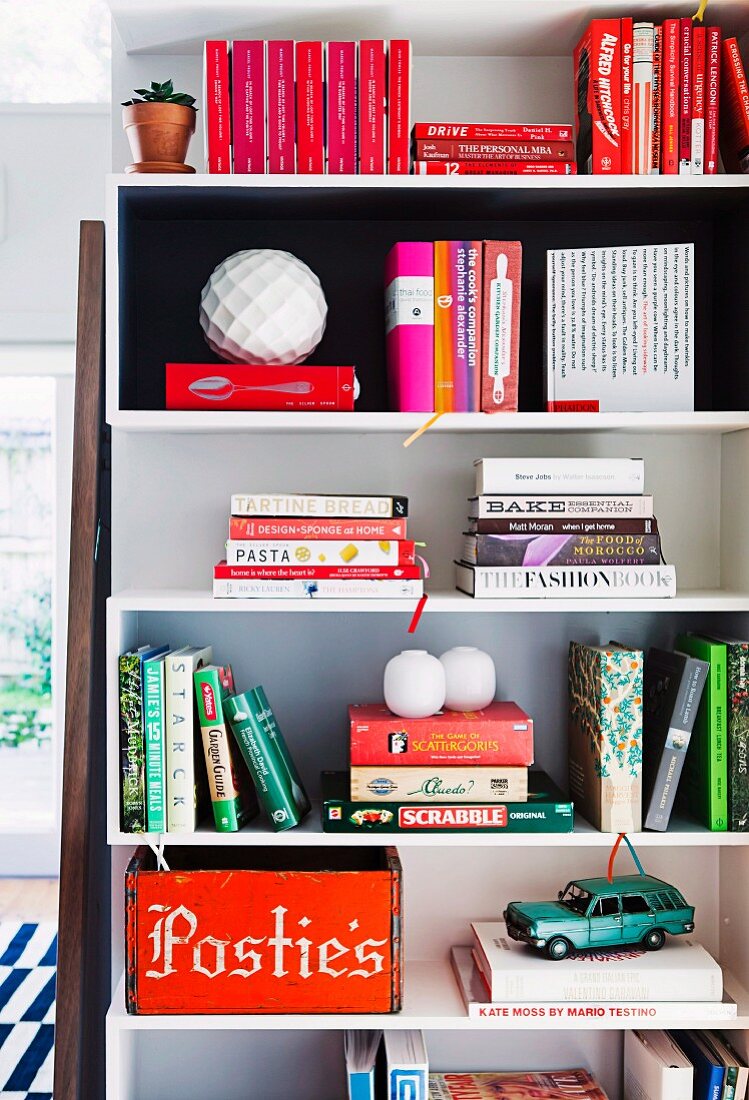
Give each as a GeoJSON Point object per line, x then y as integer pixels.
{"type": "Point", "coordinates": [681, 971]}
{"type": "Point", "coordinates": [479, 1005]}
{"type": "Point", "coordinates": [546, 811]}
{"type": "Point", "coordinates": [541, 1085]}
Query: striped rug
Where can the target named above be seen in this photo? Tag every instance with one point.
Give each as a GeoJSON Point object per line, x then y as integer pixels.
{"type": "Point", "coordinates": [28, 954]}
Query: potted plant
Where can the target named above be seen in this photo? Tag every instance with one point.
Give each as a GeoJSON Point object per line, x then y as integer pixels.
{"type": "Point", "coordinates": [159, 127]}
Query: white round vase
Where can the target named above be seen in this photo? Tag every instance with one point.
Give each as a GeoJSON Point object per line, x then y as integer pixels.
{"type": "Point", "coordinates": [470, 678]}
{"type": "Point", "coordinates": [414, 684]}
{"type": "Point", "coordinates": [263, 306]}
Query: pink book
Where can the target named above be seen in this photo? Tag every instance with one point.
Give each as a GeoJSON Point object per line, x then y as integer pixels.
{"type": "Point", "coordinates": [341, 108]}
{"type": "Point", "coordinates": [399, 106]}
{"type": "Point", "coordinates": [409, 326]}
{"type": "Point", "coordinates": [685, 96]}
{"type": "Point", "coordinates": [310, 108]}
{"type": "Point", "coordinates": [279, 67]}
{"type": "Point", "coordinates": [248, 106]}
{"type": "Point", "coordinates": [216, 107]}
{"type": "Point", "coordinates": [372, 92]}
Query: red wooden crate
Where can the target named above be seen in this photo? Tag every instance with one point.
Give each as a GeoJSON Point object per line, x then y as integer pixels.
{"type": "Point", "coordinates": [262, 930]}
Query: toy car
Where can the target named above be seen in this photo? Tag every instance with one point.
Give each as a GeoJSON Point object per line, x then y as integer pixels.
{"type": "Point", "coordinates": [592, 913]}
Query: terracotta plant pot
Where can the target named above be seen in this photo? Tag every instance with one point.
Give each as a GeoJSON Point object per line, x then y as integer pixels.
{"type": "Point", "coordinates": [159, 133]}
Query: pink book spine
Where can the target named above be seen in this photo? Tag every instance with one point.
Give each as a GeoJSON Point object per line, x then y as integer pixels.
{"type": "Point", "coordinates": [685, 97]}
{"type": "Point", "coordinates": [248, 106]}
{"type": "Point", "coordinates": [372, 92]}
{"type": "Point", "coordinates": [399, 106]}
{"type": "Point", "coordinates": [216, 107]}
{"type": "Point", "coordinates": [279, 69]}
{"type": "Point", "coordinates": [310, 108]}
{"type": "Point", "coordinates": [341, 108]}
{"type": "Point", "coordinates": [409, 326]}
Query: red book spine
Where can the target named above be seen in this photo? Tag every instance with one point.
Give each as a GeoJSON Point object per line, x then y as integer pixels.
{"type": "Point", "coordinates": [398, 106]}
{"type": "Point", "coordinates": [248, 106]}
{"type": "Point", "coordinates": [280, 107]}
{"type": "Point", "coordinates": [494, 150]}
{"type": "Point", "coordinates": [685, 96]}
{"type": "Point", "coordinates": [340, 91]}
{"type": "Point", "coordinates": [235, 386]}
{"type": "Point", "coordinates": [712, 99]}
{"type": "Point", "coordinates": [372, 91]}
{"type": "Point", "coordinates": [459, 131]}
{"type": "Point", "coordinates": [250, 527]}
{"type": "Point", "coordinates": [224, 572]}
{"type": "Point", "coordinates": [734, 132]}
{"type": "Point", "coordinates": [597, 64]}
{"type": "Point", "coordinates": [628, 154]}
{"type": "Point", "coordinates": [494, 168]}
{"type": "Point", "coordinates": [699, 42]}
{"type": "Point", "coordinates": [670, 99]}
{"type": "Point", "coordinates": [655, 126]}
{"type": "Point", "coordinates": [216, 106]}
{"type": "Point", "coordinates": [310, 108]}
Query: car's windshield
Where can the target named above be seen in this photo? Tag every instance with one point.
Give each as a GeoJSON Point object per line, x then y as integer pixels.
{"type": "Point", "coordinates": [574, 897]}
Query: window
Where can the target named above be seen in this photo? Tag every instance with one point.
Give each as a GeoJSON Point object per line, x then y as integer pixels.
{"type": "Point", "coordinates": [52, 52]}
{"type": "Point", "coordinates": [574, 897]}
{"type": "Point", "coordinates": [634, 903]}
{"type": "Point", "coordinates": [606, 907]}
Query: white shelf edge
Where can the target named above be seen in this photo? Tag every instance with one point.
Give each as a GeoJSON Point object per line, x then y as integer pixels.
{"type": "Point", "coordinates": [178, 600]}
{"type": "Point", "coordinates": [431, 1002]}
{"type": "Point", "coordinates": [460, 183]}
{"type": "Point", "coordinates": [689, 423]}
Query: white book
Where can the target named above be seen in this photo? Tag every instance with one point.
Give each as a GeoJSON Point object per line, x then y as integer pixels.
{"type": "Point", "coordinates": [352, 588]}
{"type": "Point", "coordinates": [655, 1068]}
{"type": "Point", "coordinates": [566, 582]}
{"type": "Point", "coordinates": [181, 744]}
{"type": "Point", "coordinates": [309, 505]}
{"type": "Point", "coordinates": [681, 971]}
{"type": "Point", "coordinates": [613, 1014]}
{"type": "Point", "coordinates": [610, 476]}
{"type": "Point", "coordinates": [538, 506]}
{"type": "Point", "coordinates": [620, 329]}
{"type": "Point", "coordinates": [642, 98]}
{"type": "Point", "coordinates": [308, 552]}
{"type": "Point", "coordinates": [407, 1065]}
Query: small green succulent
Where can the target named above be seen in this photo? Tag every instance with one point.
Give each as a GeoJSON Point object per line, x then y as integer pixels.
{"type": "Point", "coordinates": [161, 93]}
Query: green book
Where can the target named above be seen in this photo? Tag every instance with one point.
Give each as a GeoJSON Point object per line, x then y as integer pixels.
{"type": "Point", "coordinates": [232, 797]}
{"type": "Point", "coordinates": [737, 696]}
{"type": "Point", "coordinates": [153, 722]}
{"type": "Point", "coordinates": [259, 737]}
{"type": "Point", "coordinates": [706, 768]}
{"type": "Point", "coordinates": [133, 815]}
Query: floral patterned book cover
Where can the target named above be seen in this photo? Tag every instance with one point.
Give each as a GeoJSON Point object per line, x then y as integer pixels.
{"type": "Point", "coordinates": [605, 735]}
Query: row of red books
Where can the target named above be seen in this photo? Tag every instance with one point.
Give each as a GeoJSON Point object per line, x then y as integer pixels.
{"type": "Point", "coordinates": [488, 149]}
{"type": "Point", "coordinates": [648, 99]}
{"type": "Point", "coordinates": [307, 107]}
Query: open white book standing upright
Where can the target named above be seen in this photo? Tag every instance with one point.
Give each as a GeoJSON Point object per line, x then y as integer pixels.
{"type": "Point", "coordinates": [655, 1068]}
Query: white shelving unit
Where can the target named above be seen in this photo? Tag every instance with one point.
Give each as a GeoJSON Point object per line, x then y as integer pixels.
{"type": "Point", "coordinates": [172, 474]}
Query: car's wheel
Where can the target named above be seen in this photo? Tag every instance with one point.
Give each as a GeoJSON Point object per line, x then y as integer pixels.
{"type": "Point", "coordinates": [654, 939]}
{"type": "Point", "coordinates": [558, 948]}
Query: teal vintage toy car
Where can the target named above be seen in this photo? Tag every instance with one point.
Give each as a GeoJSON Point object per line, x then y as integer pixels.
{"type": "Point", "coordinates": [592, 913]}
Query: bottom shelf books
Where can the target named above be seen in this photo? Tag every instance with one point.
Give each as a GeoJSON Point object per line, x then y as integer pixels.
{"type": "Point", "coordinates": [562, 1001]}
{"type": "Point", "coordinates": [684, 1065]}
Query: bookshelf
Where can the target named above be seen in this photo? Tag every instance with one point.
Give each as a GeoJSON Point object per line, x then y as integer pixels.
{"type": "Point", "coordinates": [172, 474]}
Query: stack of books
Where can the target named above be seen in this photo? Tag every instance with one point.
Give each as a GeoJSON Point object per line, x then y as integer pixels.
{"type": "Point", "coordinates": [452, 324]}
{"type": "Point", "coordinates": [307, 107]}
{"type": "Point", "coordinates": [298, 545]}
{"type": "Point", "coordinates": [562, 527]}
{"type": "Point", "coordinates": [668, 1065]}
{"type": "Point", "coordinates": [492, 149]}
{"type": "Point", "coordinates": [649, 99]}
{"type": "Point", "coordinates": [499, 977]}
{"type": "Point", "coordinates": [451, 772]}
{"type": "Point", "coordinates": [187, 738]}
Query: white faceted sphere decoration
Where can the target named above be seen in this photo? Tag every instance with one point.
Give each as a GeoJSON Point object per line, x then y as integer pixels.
{"type": "Point", "coordinates": [470, 678]}
{"type": "Point", "coordinates": [414, 684]}
{"type": "Point", "coordinates": [263, 306]}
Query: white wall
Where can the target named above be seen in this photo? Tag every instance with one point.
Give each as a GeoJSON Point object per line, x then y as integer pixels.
{"type": "Point", "coordinates": [52, 165]}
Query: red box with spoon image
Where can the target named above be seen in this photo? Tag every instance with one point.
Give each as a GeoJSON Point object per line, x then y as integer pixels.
{"type": "Point", "coordinates": [237, 386]}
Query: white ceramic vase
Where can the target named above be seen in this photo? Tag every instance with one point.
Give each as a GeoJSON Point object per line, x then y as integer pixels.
{"type": "Point", "coordinates": [470, 678]}
{"type": "Point", "coordinates": [414, 684]}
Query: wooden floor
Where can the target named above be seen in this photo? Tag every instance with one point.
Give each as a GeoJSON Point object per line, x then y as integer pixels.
{"type": "Point", "coordinates": [29, 899]}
